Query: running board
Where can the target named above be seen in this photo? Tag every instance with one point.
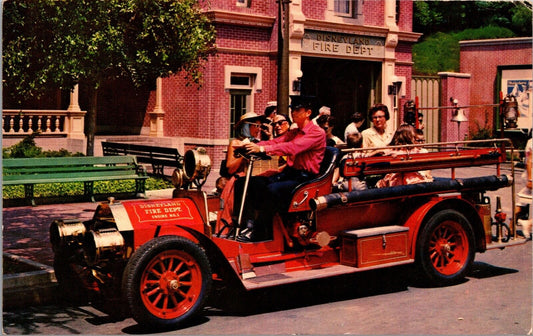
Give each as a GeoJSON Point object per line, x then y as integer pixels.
{"type": "Point", "coordinates": [276, 279]}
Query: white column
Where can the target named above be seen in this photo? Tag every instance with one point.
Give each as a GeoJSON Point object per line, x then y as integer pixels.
{"type": "Point", "coordinates": [75, 119]}
{"type": "Point", "coordinates": [156, 116]}
{"type": "Point", "coordinates": [389, 63]}
{"type": "Point", "coordinates": [74, 96]}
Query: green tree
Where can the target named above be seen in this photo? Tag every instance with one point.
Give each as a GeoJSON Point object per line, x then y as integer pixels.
{"type": "Point", "coordinates": [59, 44]}
{"type": "Point", "coordinates": [447, 16]}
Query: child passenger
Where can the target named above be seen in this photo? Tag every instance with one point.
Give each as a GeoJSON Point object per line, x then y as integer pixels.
{"type": "Point", "coordinates": [404, 135]}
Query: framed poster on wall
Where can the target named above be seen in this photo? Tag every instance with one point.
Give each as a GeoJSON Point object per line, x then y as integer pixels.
{"type": "Point", "coordinates": [519, 83]}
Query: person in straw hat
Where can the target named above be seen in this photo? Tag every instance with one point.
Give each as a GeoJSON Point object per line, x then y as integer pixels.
{"type": "Point", "coordinates": [248, 130]}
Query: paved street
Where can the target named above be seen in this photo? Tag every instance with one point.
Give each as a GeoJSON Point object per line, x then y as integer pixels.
{"type": "Point", "coordinates": [496, 298]}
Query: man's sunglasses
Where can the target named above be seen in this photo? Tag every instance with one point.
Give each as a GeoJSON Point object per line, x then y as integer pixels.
{"type": "Point", "coordinates": [279, 123]}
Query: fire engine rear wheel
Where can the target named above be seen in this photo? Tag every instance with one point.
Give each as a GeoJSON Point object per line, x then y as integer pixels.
{"type": "Point", "coordinates": [446, 249]}
{"type": "Point", "coordinates": [166, 281]}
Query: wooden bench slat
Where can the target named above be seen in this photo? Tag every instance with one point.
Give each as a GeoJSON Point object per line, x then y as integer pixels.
{"type": "Point", "coordinates": [62, 161]}
{"type": "Point", "coordinates": [58, 177]}
{"type": "Point", "coordinates": [40, 170]}
{"type": "Point", "coordinates": [73, 179]}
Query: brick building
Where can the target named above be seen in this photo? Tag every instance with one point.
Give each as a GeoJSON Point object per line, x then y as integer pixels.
{"type": "Point", "coordinates": [347, 53]}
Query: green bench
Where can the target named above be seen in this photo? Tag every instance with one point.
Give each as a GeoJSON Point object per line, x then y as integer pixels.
{"type": "Point", "coordinates": [158, 157]}
{"type": "Point", "coordinates": [31, 171]}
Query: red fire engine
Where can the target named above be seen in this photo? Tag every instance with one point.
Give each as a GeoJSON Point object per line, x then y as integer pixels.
{"type": "Point", "coordinates": [163, 257]}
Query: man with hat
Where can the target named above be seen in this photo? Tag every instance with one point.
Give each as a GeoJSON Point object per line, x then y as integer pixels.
{"type": "Point", "coordinates": [304, 148]}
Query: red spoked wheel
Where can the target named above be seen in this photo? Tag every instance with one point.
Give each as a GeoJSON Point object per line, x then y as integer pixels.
{"type": "Point", "coordinates": [446, 247]}
{"type": "Point", "coordinates": [167, 281]}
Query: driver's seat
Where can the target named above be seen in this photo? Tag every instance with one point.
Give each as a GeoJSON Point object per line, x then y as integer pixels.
{"type": "Point", "coordinates": [321, 185]}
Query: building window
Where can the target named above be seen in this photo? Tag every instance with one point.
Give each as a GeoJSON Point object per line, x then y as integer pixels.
{"type": "Point", "coordinates": [243, 3]}
{"type": "Point", "coordinates": [238, 107]}
{"type": "Point", "coordinates": [241, 83]}
{"type": "Point", "coordinates": [237, 80]}
{"type": "Point", "coordinates": [345, 11]}
{"type": "Point", "coordinates": [344, 7]}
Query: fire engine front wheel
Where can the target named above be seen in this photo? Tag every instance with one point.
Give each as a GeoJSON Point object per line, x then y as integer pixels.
{"type": "Point", "coordinates": [446, 249]}
{"type": "Point", "coordinates": [166, 281]}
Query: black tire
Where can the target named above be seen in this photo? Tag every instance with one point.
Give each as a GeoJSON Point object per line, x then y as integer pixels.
{"type": "Point", "coordinates": [166, 282]}
{"type": "Point", "coordinates": [506, 232]}
{"type": "Point", "coordinates": [70, 284]}
{"type": "Point", "coordinates": [445, 248]}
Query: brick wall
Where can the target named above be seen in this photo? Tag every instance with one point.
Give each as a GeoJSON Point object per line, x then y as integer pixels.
{"type": "Point", "coordinates": [405, 22]}
{"type": "Point", "coordinates": [374, 13]}
{"type": "Point", "coordinates": [313, 9]}
{"type": "Point", "coordinates": [481, 59]}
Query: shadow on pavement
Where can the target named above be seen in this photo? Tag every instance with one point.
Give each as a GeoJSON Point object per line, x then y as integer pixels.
{"type": "Point", "coordinates": [30, 320]}
{"type": "Point", "coordinates": [481, 270]}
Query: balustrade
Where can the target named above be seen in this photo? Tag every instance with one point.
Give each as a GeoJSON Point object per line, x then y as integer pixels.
{"type": "Point", "coordinates": [46, 122]}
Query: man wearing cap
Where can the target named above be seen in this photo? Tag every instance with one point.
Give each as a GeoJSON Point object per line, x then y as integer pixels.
{"type": "Point", "coordinates": [304, 148]}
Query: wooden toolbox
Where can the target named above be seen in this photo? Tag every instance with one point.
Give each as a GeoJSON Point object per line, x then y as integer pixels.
{"type": "Point", "coordinates": [375, 246]}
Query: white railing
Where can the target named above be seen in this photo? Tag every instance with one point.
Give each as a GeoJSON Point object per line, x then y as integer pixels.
{"type": "Point", "coordinates": [46, 122]}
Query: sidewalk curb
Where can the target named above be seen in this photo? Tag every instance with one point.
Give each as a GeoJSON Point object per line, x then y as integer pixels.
{"type": "Point", "coordinates": [29, 288]}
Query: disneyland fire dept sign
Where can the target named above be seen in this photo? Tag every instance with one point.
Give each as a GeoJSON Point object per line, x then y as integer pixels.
{"type": "Point", "coordinates": [343, 44]}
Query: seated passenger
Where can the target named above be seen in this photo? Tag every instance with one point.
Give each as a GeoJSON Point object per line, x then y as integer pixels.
{"type": "Point", "coordinates": [353, 127]}
{"type": "Point", "coordinates": [378, 135]}
{"type": "Point", "coordinates": [247, 129]}
{"type": "Point", "coordinates": [267, 129]}
{"type": "Point", "coordinates": [405, 135]}
{"type": "Point", "coordinates": [354, 140]}
{"type": "Point", "coordinates": [281, 125]}
{"type": "Point", "coordinates": [326, 122]}
{"type": "Point", "coordinates": [304, 148]}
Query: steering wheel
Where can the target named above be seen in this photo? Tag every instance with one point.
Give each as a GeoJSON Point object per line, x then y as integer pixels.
{"type": "Point", "coordinates": [251, 156]}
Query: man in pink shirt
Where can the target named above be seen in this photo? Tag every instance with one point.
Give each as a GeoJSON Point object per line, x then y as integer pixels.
{"type": "Point", "coordinates": [304, 147]}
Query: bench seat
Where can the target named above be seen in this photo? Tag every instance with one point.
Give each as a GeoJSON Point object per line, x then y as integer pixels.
{"type": "Point", "coordinates": [31, 171]}
{"type": "Point", "coordinates": [158, 157]}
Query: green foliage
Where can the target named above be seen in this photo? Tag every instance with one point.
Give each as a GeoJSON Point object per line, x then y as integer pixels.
{"type": "Point", "coordinates": [481, 132]}
{"type": "Point", "coordinates": [444, 16]}
{"type": "Point", "coordinates": [26, 148]}
{"type": "Point", "coordinates": [48, 42]}
{"type": "Point", "coordinates": [440, 51]}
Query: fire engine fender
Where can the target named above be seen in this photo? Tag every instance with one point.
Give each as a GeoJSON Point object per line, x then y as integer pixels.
{"type": "Point", "coordinates": [220, 266]}
{"type": "Point", "coordinates": [420, 217]}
